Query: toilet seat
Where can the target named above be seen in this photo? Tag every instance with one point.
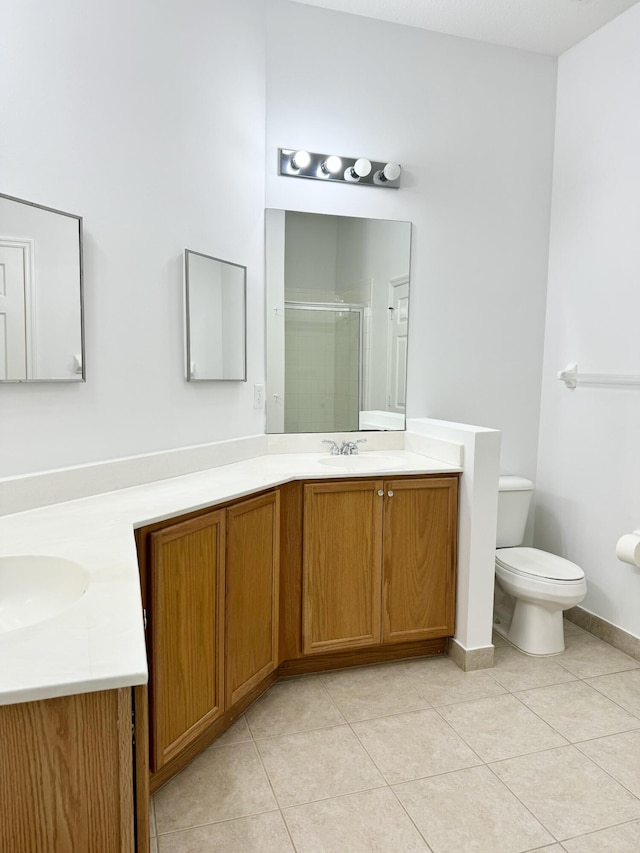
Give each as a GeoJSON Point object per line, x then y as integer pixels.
{"type": "Point", "coordinates": [531, 562]}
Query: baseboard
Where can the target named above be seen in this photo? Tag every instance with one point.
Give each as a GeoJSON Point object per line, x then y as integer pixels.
{"type": "Point", "coordinates": [616, 637]}
{"type": "Point", "coordinates": [470, 659]}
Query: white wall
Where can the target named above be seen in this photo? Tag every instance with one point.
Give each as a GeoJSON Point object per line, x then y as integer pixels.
{"type": "Point", "coordinates": [472, 125]}
{"type": "Point", "coordinates": [148, 120]}
{"type": "Point", "coordinates": [589, 463]}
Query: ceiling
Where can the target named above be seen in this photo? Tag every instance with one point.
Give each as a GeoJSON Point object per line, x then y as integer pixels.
{"type": "Point", "coordinates": [542, 26]}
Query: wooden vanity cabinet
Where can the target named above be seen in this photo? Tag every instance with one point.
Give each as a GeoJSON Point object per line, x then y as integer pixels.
{"type": "Point", "coordinates": [253, 529]}
{"type": "Point", "coordinates": [341, 580]}
{"type": "Point", "coordinates": [419, 558]}
{"type": "Point", "coordinates": [378, 561]}
{"type": "Point", "coordinates": [210, 589]}
{"type": "Point", "coordinates": [66, 775]}
{"type": "Point", "coordinates": [185, 592]}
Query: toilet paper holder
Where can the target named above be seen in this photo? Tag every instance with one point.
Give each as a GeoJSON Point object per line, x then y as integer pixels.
{"type": "Point", "coordinates": [628, 548]}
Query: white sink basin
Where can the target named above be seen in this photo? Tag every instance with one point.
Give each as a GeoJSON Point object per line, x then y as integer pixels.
{"type": "Point", "coordinates": [34, 588]}
{"type": "Point", "coordinates": [363, 462]}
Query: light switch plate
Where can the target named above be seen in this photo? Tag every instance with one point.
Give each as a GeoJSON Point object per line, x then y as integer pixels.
{"type": "Point", "coordinates": [258, 396]}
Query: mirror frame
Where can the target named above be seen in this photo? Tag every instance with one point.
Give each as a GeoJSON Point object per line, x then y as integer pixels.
{"type": "Point", "coordinates": [187, 320]}
{"type": "Point", "coordinates": [82, 375]}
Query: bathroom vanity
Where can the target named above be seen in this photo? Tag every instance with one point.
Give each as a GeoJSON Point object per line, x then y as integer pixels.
{"type": "Point", "coordinates": [310, 576]}
{"type": "Point", "coordinates": [276, 564]}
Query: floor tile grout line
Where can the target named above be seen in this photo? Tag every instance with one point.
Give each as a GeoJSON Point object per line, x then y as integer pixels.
{"type": "Point", "coordinates": [596, 831]}
{"type": "Point", "coordinates": [284, 809]}
{"type": "Point", "coordinates": [604, 770]}
{"type": "Point", "coordinates": [331, 699]}
{"type": "Point", "coordinates": [591, 761]}
{"type": "Point", "coordinates": [562, 684]}
{"type": "Point", "coordinates": [404, 809]}
{"type": "Point", "coordinates": [523, 804]}
{"type": "Point", "coordinates": [300, 732]}
{"type": "Point", "coordinates": [615, 701]}
{"type": "Point", "coordinates": [275, 796]}
{"type": "Point", "coordinates": [215, 822]}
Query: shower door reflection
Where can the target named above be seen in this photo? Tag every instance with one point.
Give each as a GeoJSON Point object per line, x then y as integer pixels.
{"type": "Point", "coordinates": [323, 366]}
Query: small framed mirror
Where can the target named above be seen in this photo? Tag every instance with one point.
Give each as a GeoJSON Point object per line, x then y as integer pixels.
{"type": "Point", "coordinates": [215, 318]}
{"type": "Point", "coordinates": [41, 300]}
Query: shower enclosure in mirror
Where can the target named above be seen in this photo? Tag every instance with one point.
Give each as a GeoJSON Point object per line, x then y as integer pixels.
{"type": "Point", "coordinates": [337, 322]}
{"type": "Point", "coordinates": [215, 318]}
{"type": "Point", "coordinates": [41, 308]}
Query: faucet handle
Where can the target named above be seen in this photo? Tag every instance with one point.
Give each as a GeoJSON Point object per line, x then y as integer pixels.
{"type": "Point", "coordinates": [334, 449]}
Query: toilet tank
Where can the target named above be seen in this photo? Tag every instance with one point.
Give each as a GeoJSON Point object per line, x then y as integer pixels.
{"type": "Point", "coordinates": [514, 498]}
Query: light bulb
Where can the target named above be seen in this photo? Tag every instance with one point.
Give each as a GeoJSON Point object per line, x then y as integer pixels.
{"type": "Point", "coordinates": [331, 165]}
{"type": "Point", "coordinates": [300, 160]}
{"type": "Point", "coordinates": [391, 172]}
{"type": "Point", "coordinates": [360, 169]}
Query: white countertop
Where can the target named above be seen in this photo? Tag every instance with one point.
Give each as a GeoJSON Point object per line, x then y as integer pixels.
{"type": "Point", "coordinates": [98, 642]}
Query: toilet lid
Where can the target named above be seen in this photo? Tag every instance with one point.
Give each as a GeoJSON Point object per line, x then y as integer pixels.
{"type": "Point", "coordinates": [541, 564]}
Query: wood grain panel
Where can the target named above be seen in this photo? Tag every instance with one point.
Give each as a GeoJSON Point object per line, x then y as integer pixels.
{"type": "Point", "coordinates": [342, 554]}
{"type": "Point", "coordinates": [252, 603]}
{"type": "Point", "coordinates": [186, 623]}
{"type": "Point", "coordinates": [290, 571]}
{"type": "Point", "coordinates": [66, 770]}
{"type": "Point", "coordinates": [361, 657]}
{"type": "Point", "coordinates": [419, 558]}
{"type": "Point", "coordinates": [141, 761]}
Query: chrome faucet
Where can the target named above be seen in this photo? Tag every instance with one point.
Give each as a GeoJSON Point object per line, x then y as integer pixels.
{"type": "Point", "coordinates": [350, 448]}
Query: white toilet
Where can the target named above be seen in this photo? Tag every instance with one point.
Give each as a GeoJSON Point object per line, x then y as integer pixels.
{"type": "Point", "coordinates": [533, 587]}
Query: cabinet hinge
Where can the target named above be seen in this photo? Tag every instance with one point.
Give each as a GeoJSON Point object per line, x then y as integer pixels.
{"type": "Point", "coordinates": [144, 618]}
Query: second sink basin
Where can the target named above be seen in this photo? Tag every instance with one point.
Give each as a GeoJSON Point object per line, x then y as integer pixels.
{"type": "Point", "coordinates": [36, 587]}
{"type": "Point", "coordinates": [363, 462]}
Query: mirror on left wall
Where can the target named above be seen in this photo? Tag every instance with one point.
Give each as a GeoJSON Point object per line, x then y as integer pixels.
{"type": "Point", "coordinates": [41, 298]}
{"type": "Point", "coordinates": [215, 318]}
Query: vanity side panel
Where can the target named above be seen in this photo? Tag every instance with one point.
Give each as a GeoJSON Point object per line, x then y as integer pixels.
{"type": "Point", "coordinates": [66, 774]}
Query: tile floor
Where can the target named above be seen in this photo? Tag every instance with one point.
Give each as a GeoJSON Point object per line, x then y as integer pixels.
{"type": "Point", "coordinates": [535, 754]}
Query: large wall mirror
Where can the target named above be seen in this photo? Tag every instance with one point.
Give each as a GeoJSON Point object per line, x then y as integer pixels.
{"type": "Point", "coordinates": [215, 318]}
{"type": "Point", "coordinates": [337, 322]}
{"type": "Point", "coordinates": [41, 327]}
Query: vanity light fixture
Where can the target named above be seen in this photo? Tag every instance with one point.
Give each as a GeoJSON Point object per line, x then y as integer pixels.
{"type": "Point", "coordinates": [329, 167]}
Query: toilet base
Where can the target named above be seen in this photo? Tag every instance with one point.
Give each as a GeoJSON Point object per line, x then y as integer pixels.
{"type": "Point", "coordinates": [534, 629]}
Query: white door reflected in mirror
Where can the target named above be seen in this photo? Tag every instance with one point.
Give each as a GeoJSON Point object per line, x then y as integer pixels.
{"type": "Point", "coordinates": [41, 330]}
{"type": "Point", "coordinates": [215, 318]}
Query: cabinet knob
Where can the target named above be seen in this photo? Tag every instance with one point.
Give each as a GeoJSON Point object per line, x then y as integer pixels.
{"type": "Point", "coordinates": [380, 493]}
{"type": "Point", "coordinates": [390, 493]}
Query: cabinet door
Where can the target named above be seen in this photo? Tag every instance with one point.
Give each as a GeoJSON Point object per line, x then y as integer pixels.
{"type": "Point", "coordinates": [342, 549]}
{"type": "Point", "coordinates": [253, 529]}
{"type": "Point", "coordinates": [186, 615]}
{"type": "Point", "coordinates": [419, 558]}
